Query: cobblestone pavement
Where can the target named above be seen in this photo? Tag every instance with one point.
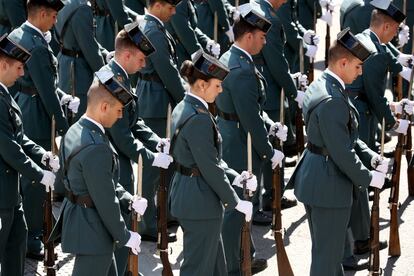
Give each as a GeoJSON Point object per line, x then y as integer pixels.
{"type": "Point", "coordinates": [297, 239]}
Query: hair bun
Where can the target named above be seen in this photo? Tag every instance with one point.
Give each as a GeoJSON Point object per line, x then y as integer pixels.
{"type": "Point", "coordinates": [187, 69]}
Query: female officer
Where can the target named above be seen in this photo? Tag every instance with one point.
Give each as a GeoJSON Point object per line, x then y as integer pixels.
{"type": "Point", "coordinates": [201, 187]}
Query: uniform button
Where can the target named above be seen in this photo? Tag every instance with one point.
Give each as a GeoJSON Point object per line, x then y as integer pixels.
{"type": "Point", "coordinates": [225, 204]}
{"type": "Point", "coordinates": [33, 182]}
{"type": "Point", "coordinates": [264, 156]}
{"type": "Point", "coordinates": [360, 187]}
{"type": "Point", "coordinates": [7, 171]}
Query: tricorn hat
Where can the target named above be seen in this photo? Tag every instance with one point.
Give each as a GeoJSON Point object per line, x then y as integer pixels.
{"type": "Point", "coordinates": [209, 66]}
{"type": "Point", "coordinates": [108, 80]}
{"type": "Point", "coordinates": [388, 8]}
{"type": "Point", "coordinates": [139, 38]}
{"type": "Point", "coordinates": [54, 4]}
{"type": "Point", "coordinates": [13, 50]}
{"type": "Point", "coordinates": [253, 15]}
{"type": "Point", "coordinates": [350, 42]}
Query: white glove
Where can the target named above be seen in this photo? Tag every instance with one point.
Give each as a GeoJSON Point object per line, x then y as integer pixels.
{"type": "Point", "coordinates": [245, 207]}
{"type": "Point", "coordinates": [73, 102]}
{"type": "Point", "coordinates": [404, 103]}
{"type": "Point", "coordinates": [380, 164]}
{"type": "Point", "coordinates": [163, 145]}
{"type": "Point", "coordinates": [402, 126]}
{"type": "Point", "coordinates": [162, 160]}
{"type": "Point", "coordinates": [403, 35]}
{"type": "Point", "coordinates": [279, 130]}
{"type": "Point", "coordinates": [405, 60]}
{"type": "Point", "coordinates": [213, 48]}
{"type": "Point", "coordinates": [48, 180]}
{"type": "Point", "coordinates": [134, 242]}
{"type": "Point", "coordinates": [299, 98]}
{"type": "Point", "coordinates": [327, 17]}
{"type": "Point", "coordinates": [48, 36]}
{"type": "Point", "coordinates": [301, 80]}
{"type": "Point", "coordinates": [234, 13]}
{"type": "Point", "coordinates": [327, 5]}
{"type": "Point", "coordinates": [109, 56]}
{"type": "Point", "coordinates": [230, 34]}
{"type": "Point", "coordinates": [139, 204]}
{"type": "Point", "coordinates": [52, 160]}
{"type": "Point", "coordinates": [311, 38]}
{"type": "Point", "coordinates": [311, 50]}
{"type": "Point", "coordinates": [406, 73]}
{"type": "Point", "coordinates": [277, 158]}
{"type": "Point", "coordinates": [250, 179]}
{"type": "Point", "coordinates": [378, 179]}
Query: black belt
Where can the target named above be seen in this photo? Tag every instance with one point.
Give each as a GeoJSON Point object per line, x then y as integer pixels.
{"type": "Point", "coordinates": [31, 91]}
{"type": "Point", "coordinates": [187, 171]}
{"type": "Point", "coordinates": [228, 116]}
{"type": "Point", "coordinates": [71, 53]}
{"type": "Point", "coordinates": [150, 77]}
{"type": "Point", "coordinates": [99, 12]}
{"type": "Point", "coordinates": [85, 201]}
{"type": "Point", "coordinates": [317, 150]}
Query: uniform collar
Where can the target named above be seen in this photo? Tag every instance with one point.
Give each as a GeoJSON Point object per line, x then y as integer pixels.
{"type": "Point", "coordinates": [30, 25]}
{"type": "Point", "coordinates": [244, 51]}
{"type": "Point", "coordinates": [198, 98]}
{"type": "Point", "coordinates": [94, 122]}
{"type": "Point", "coordinates": [329, 72]}
{"type": "Point", "coordinates": [375, 36]}
{"type": "Point", "coordinates": [153, 16]}
{"type": "Point", "coordinates": [4, 87]}
{"type": "Point", "coordinates": [120, 66]}
{"type": "Point", "coordinates": [270, 4]}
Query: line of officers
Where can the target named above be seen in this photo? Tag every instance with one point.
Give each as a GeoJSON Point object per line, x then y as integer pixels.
{"type": "Point", "coordinates": [112, 124]}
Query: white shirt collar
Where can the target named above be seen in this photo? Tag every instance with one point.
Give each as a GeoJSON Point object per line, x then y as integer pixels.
{"type": "Point", "coordinates": [95, 122]}
{"type": "Point", "coordinates": [120, 66]}
{"type": "Point", "coordinates": [198, 98]}
{"type": "Point", "coordinates": [34, 28]}
{"type": "Point", "coordinates": [5, 87]}
{"type": "Point", "coordinates": [147, 12]}
{"type": "Point", "coordinates": [244, 51]}
{"type": "Point", "coordinates": [336, 77]}
{"type": "Point", "coordinates": [269, 3]}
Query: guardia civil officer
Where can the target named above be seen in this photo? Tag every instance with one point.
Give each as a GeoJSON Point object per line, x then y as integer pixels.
{"type": "Point", "coordinates": [240, 110]}
{"type": "Point", "coordinates": [201, 188]}
{"type": "Point", "coordinates": [129, 135]}
{"type": "Point", "coordinates": [80, 54]}
{"type": "Point", "coordinates": [110, 17]}
{"type": "Point", "coordinates": [39, 99]}
{"type": "Point", "coordinates": [331, 169]}
{"type": "Point", "coordinates": [188, 37]}
{"type": "Point", "coordinates": [92, 225]}
{"type": "Point", "coordinates": [12, 14]}
{"type": "Point", "coordinates": [18, 156]}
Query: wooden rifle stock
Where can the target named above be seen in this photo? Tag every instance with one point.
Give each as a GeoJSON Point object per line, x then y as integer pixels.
{"type": "Point", "coordinates": [283, 264]}
{"type": "Point", "coordinates": [327, 44]}
{"type": "Point", "coordinates": [133, 265]}
{"type": "Point", "coordinates": [49, 248]}
{"type": "Point", "coordinates": [245, 256]}
{"type": "Point", "coordinates": [394, 248]}
{"type": "Point", "coordinates": [374, 257]}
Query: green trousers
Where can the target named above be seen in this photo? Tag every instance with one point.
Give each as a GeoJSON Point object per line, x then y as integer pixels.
{"type": "Point", "coordinates": [87, 265]}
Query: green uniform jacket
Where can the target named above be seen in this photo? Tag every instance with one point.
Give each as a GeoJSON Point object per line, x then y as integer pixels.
{"type": "Point", "coordinates": [372, 83]}
{"type": "Point", "coordinates": [205, 12]}
{"type": "Point", "coordinates": [306, 12]}
{"type": "Point", "coordinates": [128, 131]}
{"type": "Point", "coordinates": [198, 144]}
{"type": "Point", "coordinates": [76, 18]}
{"type": "Point", "coordinates": [332, 124]}
{"type": "Point", "coordinates": [17, 152]}
{"type": "Point", "coordinates": [40, 76]}
{"type": "Point", "coordinates": [107, 13]}
{"type": "Point", "coordinates": [244, 95]}
{"type": "Point", "coordinates": [183, 28]}
{"type": "Point", "coordinates": [272, 63]}
{"type": "Point", "coordinates": [92, 231]}
{"type": "Point", "coordinates": [12, 15]}
{"type": "Point", "coordinates": [137, 6]}
{"type": "Point", "coordinates": [154, 95]}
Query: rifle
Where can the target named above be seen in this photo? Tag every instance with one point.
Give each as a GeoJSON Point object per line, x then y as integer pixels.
{"type": "Point", "coordinates": [162, 195]}
{"type": "Point", "coordinates": [311, 74]}
{"type": "Point", "coordinates": [49, 257]}
{"type": "Point", "coordinates": [245, 257]}
{"type": "Point", "coordinates": [300, 138]}
{"type": "Point", "coordinates": [71, 115]}
{"type": "Point", "coordinates": [408, 144]}
{"type": "Point", "coordinates": [327, 41]}
{"type": "Point", "coordinates": [283, 264]}
{"type": "Point", "coordinates": [212, 106]}
{"type": "Point", "coordinates": [132, 267]}
{"type": "Point", "coordinates": [374, 257]}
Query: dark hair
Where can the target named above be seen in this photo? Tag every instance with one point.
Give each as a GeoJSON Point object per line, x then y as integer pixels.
{"type": "Point", "coordinates": [150, 3]}
{"type": "Point", "coordinates": [191, 74]}
{"type": "Point", "coordinates": [338, 51]}
{"type": "Point", "coordinates": [123, 42]}
{"type": "Point", "coordinates": [7, 58]}
{"type": "Point", "coordinates": [378, 18]}
{"type": "Point", "coordinates": [241, 27]}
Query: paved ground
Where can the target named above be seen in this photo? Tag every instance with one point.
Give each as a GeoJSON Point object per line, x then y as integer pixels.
{"type": "Point", "coordinates": [297, 239]}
